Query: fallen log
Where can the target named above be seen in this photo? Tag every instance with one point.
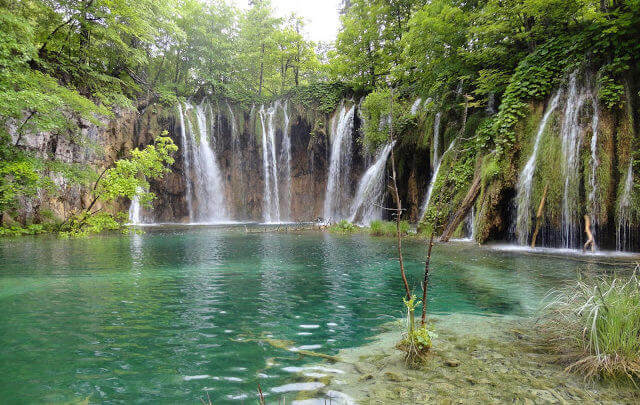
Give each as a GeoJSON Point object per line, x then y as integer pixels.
{"type": "Point", "coordinates": [463, 210]}
{"type": "Point", "coordinates": [587, 230]}
{"type": "Point", "coordinates": [538, 215]}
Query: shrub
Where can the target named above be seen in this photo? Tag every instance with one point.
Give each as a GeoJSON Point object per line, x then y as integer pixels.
{"type": "Point", "coordinates": [343, 226]}
{"type": "Point", "coordinates": [387, 228]}
{"type": "Point", "coordinates": [596, 323]}
{"type": "Point", "coordinates": [376, 228]}
{"type": "Point", "coordinates": [416, 342]}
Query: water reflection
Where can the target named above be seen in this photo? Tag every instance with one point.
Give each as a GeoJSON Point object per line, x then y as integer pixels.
{"type": "Point", "coordinates": [176, 313]}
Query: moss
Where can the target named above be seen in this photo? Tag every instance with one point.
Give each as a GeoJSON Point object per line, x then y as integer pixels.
{"type": "Point", "coordinates": [548, 172]}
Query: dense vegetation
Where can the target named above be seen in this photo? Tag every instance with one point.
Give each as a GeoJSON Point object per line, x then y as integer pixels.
{"type": "Point", "coordinates": [478, 61]}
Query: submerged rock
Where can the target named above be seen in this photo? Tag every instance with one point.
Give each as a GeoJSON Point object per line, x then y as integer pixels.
{"type": "Point", "coordinates": [474, 359]}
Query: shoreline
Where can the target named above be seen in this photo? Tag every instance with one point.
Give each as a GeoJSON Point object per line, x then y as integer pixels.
{"type": "Point", "coordinates": [475, 359]}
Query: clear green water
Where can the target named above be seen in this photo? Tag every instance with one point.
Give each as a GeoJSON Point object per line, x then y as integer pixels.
{"type": "Point", "coordinates": [165, 316]}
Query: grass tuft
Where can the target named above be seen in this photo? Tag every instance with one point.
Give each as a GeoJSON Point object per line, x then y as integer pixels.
{"type": "Point", "coordinates": [596, 326]}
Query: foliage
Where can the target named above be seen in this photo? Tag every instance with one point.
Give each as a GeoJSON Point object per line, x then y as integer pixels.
{"type": "Point", "coordinates": [597, 323]}
{"type": "Point", "coordinates": [32, 229]}
{"type": "Point", "coordinates": [325, 97]}
{"type": "Point", "coordinates": [387, 228]}
{"type": "Point", "coordinates": [127, 178]}
{"type": "Point", "coordinates": [416, 342]}
{"type": "Point", "coordinates": [343, 227]}
{"type": "Point", "coordinates": [376, 112]}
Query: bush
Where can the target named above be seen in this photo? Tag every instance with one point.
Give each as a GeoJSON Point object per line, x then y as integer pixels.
{"type": "Point", "coordinates": [343, 227]}
{"type": "Point", "coordinates": [416, 341]}
{"type": "Point", "coordinates": [376, 228]}
{"type": "Point", "coordinates": [596, 324]}
{"type": "Point", "coordinates": [387, 228]}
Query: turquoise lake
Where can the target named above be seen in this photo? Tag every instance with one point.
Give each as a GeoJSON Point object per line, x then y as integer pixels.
{"type": "Point", "coordinates": [173, 314]}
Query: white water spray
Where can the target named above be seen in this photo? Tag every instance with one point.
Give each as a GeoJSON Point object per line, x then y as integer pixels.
{"type": "Point", "coordinates": [523, 198]}
{"type": "Point", "coordinates": [432, 182]}
{"type": "Point", "coordinates": [416, 105]}
{"type": "Point", "coordinates": [571, 143]}
{"type": "Point", "coordinates": [436, 140]}
{"type": "Point", "coordinates": [338, 183]}
{"type": "Point", "coordinates": [624, 211]}
{"type": "Point", "coordinates": [367, 204]}
{"type": "Point", "coordinates": [285, 158]}
{"type": "Point", "coordinates": [187, 163]}
{"type": "Point", "coordinates": [204, 179]}
{"type": "Point", "coordinates": [271, 204]}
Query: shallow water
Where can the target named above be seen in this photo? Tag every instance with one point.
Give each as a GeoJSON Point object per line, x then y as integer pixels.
{"type": "Point", "coordinates": [175, 313]}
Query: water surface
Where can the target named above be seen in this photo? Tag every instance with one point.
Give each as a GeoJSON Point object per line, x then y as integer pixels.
{"type": "Point", "coordinates": [176, 313]}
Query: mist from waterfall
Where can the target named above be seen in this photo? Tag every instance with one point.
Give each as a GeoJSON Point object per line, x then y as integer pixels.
{"type": "Point", "coordinates": [338, 192]}
{"type": "Point", "coordinates": [525, 180]}
{"type": "Point", "coordinates": [367, 204]}
{"type": "Point", "coordinates": [204, 178]}
{"type": "Point", "coordinates": [571, 142]}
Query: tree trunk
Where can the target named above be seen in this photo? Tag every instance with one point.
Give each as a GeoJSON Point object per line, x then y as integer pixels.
{"type": "Point", "coordinates": [463, 210]}
{"type": "Point", "coordinates": [396, 196]}
{"type": "Point", "coordinates": [587, 230]}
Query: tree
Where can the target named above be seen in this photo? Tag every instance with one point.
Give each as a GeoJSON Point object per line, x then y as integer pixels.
{"type": "Point", "coordinates": [128, 178]}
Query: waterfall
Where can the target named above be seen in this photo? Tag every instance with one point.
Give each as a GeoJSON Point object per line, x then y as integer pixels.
{"type": "Point", "coordinates": [187, 163]}
{"type": "Point", "coordinates": [285, 158]}
{"type": "Point", "coordinates": [432, 182]}
{"type": "Point", "coordinates": [415, 106]}
{"type": "Point", "coordinates": [338, 182]}
{"type": "Point", "coordinates": [271, 204]}
{"type": "Point", "coordinates": [204, 178]}
{"type": "Point", "coordinates": [135, 210]}
{"type": "Point", "coordinates": [436, 137]}
{"type": "Point", "coordinates": [366, 205]}
{"type": "Point", "coordinates": [593, 204]}
{"type": "Point", "coordinates": [571, 143]}
{"type": "Point", "coordinates": [525, 180]}
{"type": "Point", "coordinates": [232, 118]}
{"type": "Point", "coordinates": [471, 224]}
{"type": "Point", "coordinates": [624, 211]}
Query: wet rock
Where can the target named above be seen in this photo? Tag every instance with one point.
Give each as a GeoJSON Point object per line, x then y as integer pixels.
{"type": "Point", "coordinates": [452, 363]}
{"type": "Point", "coordinates": [391, 376]}
{"type": "Point", "coordinates": [366, 377]}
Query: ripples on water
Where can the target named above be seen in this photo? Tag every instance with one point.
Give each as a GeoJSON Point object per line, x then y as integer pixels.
{"type": "Point", "coordinates": [176, 313]}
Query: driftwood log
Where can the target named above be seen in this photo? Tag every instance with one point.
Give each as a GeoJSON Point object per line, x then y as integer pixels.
{"type": "Point", "coordinates": [538, 216]}
{"type": "Point", "coordinates": [587, 230]}
{"type": "Point", "coordinates": [462, 211]}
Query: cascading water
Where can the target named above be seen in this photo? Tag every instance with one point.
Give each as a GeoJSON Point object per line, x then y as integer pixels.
{"type": "Point", "coordinates": [366, 205]}
{"type": "Point", "coordinates": [416, 105]}
{"type": "Point", "coordinates": [436, 139]}
{"type": "Point", "coordinates": [624, 211]}
{"type": "Point", "coordinates": [271, 204]}
{"type": "Point", "coordinates": [187, 163]}
{"type": "Point", "coordinates": [285, 159]}
{"type": "Point", "coordinates": [135, 211]}
{"type": "Point", "coordinates": [432, 182]}
{"type": "Point", "coordinates": [338, 183]}
{"type": "Point", "coordinates": [525, 181]}
{"type": "Point", "coordinates": [571, 143]}
{"type": "Point", "coordinates": [204, 181]}
{"type": "Point", "coordinates": [593, 203]}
